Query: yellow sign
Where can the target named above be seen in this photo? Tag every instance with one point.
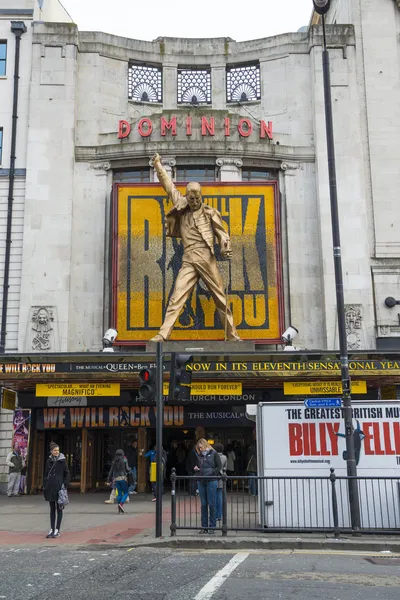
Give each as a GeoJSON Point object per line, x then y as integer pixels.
{"type": "Point", "coordinates": [9, 399]}
{"type": "Point", "coordinates": [146, 264]}
{"type": "Point", "coordinates": [309, 388]}
{"type": "Point", "coordinates": [211, 389]}
{"type": "Point", "coordinates": [77, 389]}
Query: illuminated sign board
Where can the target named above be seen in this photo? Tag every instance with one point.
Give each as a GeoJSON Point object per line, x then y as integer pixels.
{"type": "Point", "coordinates": [146, 264]}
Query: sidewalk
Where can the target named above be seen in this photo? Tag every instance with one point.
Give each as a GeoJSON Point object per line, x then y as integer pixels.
{"type": "Point", "coordinates": [87, 520]}
{"type": "Point", "coordinates": [89, 523]}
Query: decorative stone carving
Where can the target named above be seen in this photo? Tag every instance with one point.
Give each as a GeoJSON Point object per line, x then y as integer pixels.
{"type": "Point", "coordinates": [42, 326]}
{"type": "Point", "coordinates": [104, 166]}
{"type": "Point", "coordinates": [227, 160]}
{"type": "Point", "coordinates": [353, 316]}
{"type": "Point", "coordinates": [288, 168]}
{"type": "Point", "coordinates": [383, 330]}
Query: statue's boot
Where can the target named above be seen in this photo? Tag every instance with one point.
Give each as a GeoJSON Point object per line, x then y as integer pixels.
{"type": "Point", "coordinates": [157, 338]}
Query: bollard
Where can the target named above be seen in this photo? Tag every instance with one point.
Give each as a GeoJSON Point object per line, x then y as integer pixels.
{"type": "Point", "coordinates": [173, 502]}
{"type": "Point", "coordinates": [224, 505]}
{"type": "Point", "coordinates": [334, 505]}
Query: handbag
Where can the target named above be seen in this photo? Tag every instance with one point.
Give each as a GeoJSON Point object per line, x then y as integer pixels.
{"type": "Point", "coordinates": [63, 499]}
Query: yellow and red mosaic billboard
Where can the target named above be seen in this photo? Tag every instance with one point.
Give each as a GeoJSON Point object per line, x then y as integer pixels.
{"type": "Point", "coordinates": [146, 263]}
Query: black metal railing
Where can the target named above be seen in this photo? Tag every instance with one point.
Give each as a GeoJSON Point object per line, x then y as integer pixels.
{"type": "Point", "coordinates": [289, 504]}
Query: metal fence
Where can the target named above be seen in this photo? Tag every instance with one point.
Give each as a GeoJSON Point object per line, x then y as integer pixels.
{"type": "Point", "coordinates": [290, 504]}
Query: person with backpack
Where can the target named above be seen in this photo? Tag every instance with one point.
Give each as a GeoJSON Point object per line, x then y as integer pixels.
{"type": "Point", "coordinates": [119, 472]}
{"type": "Point", "coordinates": [209, 466]}
{"type": "Point", "coordinates": [56, 477]}
{"type": "Point", "coordinates": [132, 456]}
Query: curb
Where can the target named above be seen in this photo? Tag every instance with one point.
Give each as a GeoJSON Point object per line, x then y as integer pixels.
{"type": "Point", "coordinates": [271, 544]}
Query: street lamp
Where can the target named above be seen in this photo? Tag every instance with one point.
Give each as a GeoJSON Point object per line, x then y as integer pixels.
{"type": "Point", "coordinates": [322, 7]}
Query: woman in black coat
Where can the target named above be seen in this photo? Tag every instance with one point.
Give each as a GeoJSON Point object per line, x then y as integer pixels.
{"type": "Point", "coordinates": [56, 476]}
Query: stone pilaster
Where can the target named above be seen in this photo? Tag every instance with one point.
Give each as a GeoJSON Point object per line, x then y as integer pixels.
{"type": "Point", "coordinates": [229, 168]}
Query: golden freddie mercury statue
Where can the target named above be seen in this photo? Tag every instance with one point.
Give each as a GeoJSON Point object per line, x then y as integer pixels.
{"type": "Point", "coordinates": [199, 226]}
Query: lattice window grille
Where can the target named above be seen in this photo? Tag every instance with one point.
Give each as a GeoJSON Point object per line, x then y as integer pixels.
{"type": "Point", "coordinates": [243, 84]}
{"type": "Point", "coordinates": [194, 86]}
{"type": "Point", "coordinates": [145, 83]}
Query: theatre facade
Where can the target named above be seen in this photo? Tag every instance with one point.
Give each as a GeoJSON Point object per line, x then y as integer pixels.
{"type": "Point", "coordinates": [246, 120]}
{"type": "Point", "coordinates": [89, 403]}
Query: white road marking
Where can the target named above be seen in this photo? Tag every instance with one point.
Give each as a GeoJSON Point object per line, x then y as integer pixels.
{"type": "Point", "coordinates": [56, 573]}
{"type": "Point", "coordinates": [92, 559]}
{"type": "Point", "coordinates": [215, 583]}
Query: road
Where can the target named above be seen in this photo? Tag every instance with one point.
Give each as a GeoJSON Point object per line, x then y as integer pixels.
{"type": "Point", "coordinates": [161, 574]}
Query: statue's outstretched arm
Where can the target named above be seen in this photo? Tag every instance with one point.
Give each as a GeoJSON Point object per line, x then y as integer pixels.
{"type": "Point", "coordinates": [166, 180]}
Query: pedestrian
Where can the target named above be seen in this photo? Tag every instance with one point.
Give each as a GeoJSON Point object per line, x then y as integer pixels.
{"type": "Point", "coordinates": [56, 476]}
{"type": "Point", "coordinates": [231, 457]}
{"type": "Point", "coordinates": [192, 462]}
{"type": "Point", "coordinates": [22, 483]}
{"type": "Point", "coordinates": [152, 455]}
{"type": "Point", "coordinates": [230, 466]}
{"type": "Point", "coordinates": [15, 464]}
{"type": "Point", "coordinates": [210, 467]}
{"type": "Point", "coordinates": [251, 469]}
{"type": "Point", "coordinates": [219, 448]}
{"type": "Point", "coordinates": [238, 466]}
{"type": "Point", "coordinates": [132, 456]}
{"type": "Point", "coordinates": [180, 460]}
{"type": "Point", "coordinates": [119, 472]}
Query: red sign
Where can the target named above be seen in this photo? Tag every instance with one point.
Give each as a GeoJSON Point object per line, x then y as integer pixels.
{"type": "Point", "coordinates": [145, 127]}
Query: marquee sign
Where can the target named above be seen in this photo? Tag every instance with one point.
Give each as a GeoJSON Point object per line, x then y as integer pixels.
{"type": "Point", "coordinates": [77, 389]}
{"type": "Point", "coordinates": [137, 416]}
{"type": "Point", "coordinates": [309, 388]}
{"type": "Point", "coordinates": [146, 264]}
{"type": "Point", "coordinates": [208, 126]}
{"type": "Point", "coordinates": [280, 368]}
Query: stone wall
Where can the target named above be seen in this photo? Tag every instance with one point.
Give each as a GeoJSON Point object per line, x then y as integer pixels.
{"type": "Point", "coordinates": [83, 76]}
{"type": "Point", "coordinates": [377, 28]}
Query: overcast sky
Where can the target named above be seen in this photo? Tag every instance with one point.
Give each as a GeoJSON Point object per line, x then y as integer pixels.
{"type": "Point", "coordinates": [149, 19]}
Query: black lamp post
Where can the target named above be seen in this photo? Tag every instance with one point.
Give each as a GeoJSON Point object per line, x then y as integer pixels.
{"type": "Point", "coordinates": [322, 7]}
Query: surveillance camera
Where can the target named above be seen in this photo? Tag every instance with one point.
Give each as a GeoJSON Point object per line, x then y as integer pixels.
{"type": "Point", "coordinates": [289, 335]}
{"type": "Point", "coordinates": [109, 337]}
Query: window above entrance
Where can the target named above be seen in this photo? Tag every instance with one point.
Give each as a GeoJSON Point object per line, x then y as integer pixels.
{"type": "Point", "coordinates": [243, 83]}
{"type": "Point", "coordinates": [145, 83]}
{"type": "Point", "coordinates": [257, 174]}
{"type": "Point", "coordinates": [194, 86]}
{"type": "Point", "coordinates": [195, 174]}
{"type": "Point", "coordinates": [133, 176]}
